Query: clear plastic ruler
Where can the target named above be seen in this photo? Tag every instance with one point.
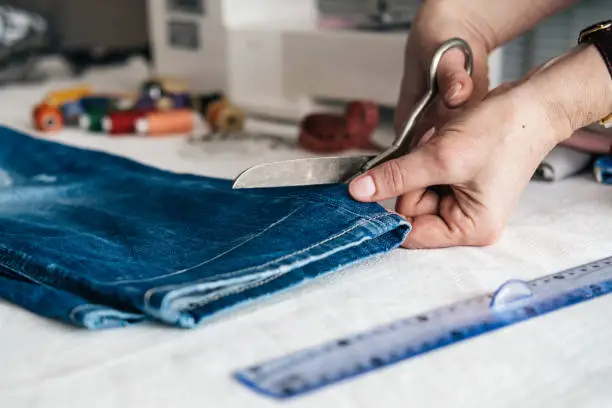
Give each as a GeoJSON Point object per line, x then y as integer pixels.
{"type": "Point", "coordinates": [515, 301]}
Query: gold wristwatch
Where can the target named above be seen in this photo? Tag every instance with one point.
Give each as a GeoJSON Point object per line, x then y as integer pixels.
{"type": "Point", "coordinates": [600, 35]}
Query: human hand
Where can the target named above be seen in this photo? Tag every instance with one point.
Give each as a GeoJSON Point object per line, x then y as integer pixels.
{"type": "Point", "coordinates": [435, 23]}
{"type": "Point", "coordinates": [485, 25]}
{"type": "Point", "coordinates": [484, 158]}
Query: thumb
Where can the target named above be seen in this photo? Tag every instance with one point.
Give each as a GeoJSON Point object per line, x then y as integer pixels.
{"type": "Point", "coordinates": [427, 166]}
{"type": "Point", "coordinates": [454, 82]}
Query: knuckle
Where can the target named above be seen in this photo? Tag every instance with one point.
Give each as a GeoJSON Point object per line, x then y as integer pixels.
{"type": "Point", "coordinates": [393, 175]}
{"type": "Point", "coordinates": [445, 160]}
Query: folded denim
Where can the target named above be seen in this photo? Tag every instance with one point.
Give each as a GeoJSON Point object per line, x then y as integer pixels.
{"type": "Point", "coordinates": [100, 241]}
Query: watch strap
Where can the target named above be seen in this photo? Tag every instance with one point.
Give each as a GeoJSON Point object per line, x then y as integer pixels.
{"type": "Point", "coordinates": [599, 35]}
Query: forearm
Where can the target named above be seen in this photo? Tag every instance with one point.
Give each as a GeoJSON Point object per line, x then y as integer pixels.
{"type": "Point", "coordinates": [494, 21]}
{"type": "Point", "coordinates": [575, 88]}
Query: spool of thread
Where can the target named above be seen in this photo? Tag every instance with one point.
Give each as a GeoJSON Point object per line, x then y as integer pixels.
{"type": "Point", "coordinates": [71, 111]}
{"type": "Point", "coordinates": [96, 103]}
{"type": "Point", "coordinates": [164, 103]}
{"type": "Point", "coordinates": [224, 117]}
{"type": "Point", "coordinates": [122, 122]}
{"type": "Point", "coordinates": [144, 102]}
{"type": "Point", "coordinates": [167, 102]}
{"type": "Point", "coordinates": [362, 118]}
{"type": "Point", "coordinates": [92, 121]}
{"type": "Point", "coordinates": [47, 118]}
{"type": "Point", "coordinates": [59, 97]}
{"type": "Point", "coordinates": [157, 88]}
{"type": "Point", "coordinates": [213, 110]}
{"type": "Point", "coordinates": [229, 120]}
{"type": "Point", "coordinates": [166, 122]}
{"type": "Point", "coordinates": [181, 100]}
{"type": "Point", "coordinates": [153, 89]}
{"type": "Point", "coordinates": [201, 103]}
{"type": "Point", "coordinates": [331, 133]}
{"type": "Point", "coordinates": [125, 102]}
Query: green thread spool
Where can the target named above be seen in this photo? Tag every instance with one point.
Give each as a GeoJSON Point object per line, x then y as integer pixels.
{"type": "Point", "coordinates": [92, 121]}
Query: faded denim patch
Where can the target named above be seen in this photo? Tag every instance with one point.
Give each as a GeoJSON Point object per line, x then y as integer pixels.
{"type": "Point", "coordinates": [99, 241]}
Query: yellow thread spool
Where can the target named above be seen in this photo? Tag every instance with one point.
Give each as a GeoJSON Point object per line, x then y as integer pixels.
{"type": "Point", "coordinates": [57, 98]}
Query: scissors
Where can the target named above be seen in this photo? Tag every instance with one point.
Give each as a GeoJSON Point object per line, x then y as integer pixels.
{"type": "Point", "coordinates": [344, 169]}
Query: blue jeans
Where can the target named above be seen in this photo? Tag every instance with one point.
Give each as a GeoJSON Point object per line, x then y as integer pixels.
{"type": "Point", "coordinates": [99, 241]}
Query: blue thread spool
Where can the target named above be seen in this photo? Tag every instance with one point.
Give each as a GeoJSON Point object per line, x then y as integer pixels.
{"type": "Point", "coordinates": [97, 104]}
{"type": "Point", "coordinates": [603, 170]}
{"type": "Point", "coordinates": [71, 111]}
{"type": "Point", "coordinates": [181, 100]}
{"type": "Point", "coordinates": [145, 102]}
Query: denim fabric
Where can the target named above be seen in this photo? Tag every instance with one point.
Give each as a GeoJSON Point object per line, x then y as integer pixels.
{"type": "Point", "coordinates": [99, 241]}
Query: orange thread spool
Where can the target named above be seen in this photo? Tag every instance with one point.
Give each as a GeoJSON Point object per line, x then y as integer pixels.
{"type": "Point", "coordinates": [225, 117]}
{"type": "Point", "coordinates": [213, 111]}
{"type": "Point", "coordinates": [47, 118]}
{"type": "Point", "coordinates": [166, 122]}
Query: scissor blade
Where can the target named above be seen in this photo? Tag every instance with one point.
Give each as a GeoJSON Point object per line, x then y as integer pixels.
{"type": "Point", "coordinates": [301, 172]}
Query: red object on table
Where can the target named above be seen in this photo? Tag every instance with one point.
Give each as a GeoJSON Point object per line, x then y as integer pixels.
{"type": "Point", "coordinates": [124, 122]}
{"type": "Point", "coordinates": [330, 133]}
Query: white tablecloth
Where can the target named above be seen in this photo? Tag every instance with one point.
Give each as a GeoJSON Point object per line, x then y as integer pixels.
{"type": "Point", "coordinates": [563, 359]}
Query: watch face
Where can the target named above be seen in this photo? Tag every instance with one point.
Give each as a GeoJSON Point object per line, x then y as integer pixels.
{"type": "Point", "coordinates": [604, 25]}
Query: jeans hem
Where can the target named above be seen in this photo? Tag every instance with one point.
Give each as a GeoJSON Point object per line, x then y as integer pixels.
{"type": "Point", "coordinates": [163, 304]}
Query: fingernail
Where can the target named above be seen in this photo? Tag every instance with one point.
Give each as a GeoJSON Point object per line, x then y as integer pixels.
{"type": "Point", "coordinates": [428, 135]}
{"type": "Point", "coordinates": [454, 90]}
{"type": "Point", "coordinates": [363, 187]}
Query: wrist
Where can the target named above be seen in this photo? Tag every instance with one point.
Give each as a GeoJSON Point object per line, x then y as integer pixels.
{"type": "Point", "coordinates": [444, 19]}
{"type": "Point", "coordinates": [575, 90]}
{"type": "Point", "coordinates": [494, 23]}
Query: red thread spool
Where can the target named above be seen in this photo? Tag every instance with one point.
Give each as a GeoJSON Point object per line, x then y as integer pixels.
{"type": "Point", "coordinates": [118, 123]}
{"type": "Point", "coordinates": [361, 120]}
{"type": "Point", "coordinates": [329, 133]}
{"type": "Point", "coordinates": [322, 133]}
{"type": "Point", "coordinates": [47, 118]}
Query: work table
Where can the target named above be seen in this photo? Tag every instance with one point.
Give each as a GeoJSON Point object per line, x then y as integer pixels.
{"type": "Point", "coordinates": [562, 359]}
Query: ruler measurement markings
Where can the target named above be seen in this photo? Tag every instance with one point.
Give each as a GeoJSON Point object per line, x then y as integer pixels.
{"type": "Point", "coordinates": [384, 345]}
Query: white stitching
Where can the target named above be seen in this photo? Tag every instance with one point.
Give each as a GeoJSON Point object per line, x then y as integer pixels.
{"type": "Point", "coordinates": [149, 293]}
{"type": "Point", "coordinates": [232, 290]}
{"type": "Point", "coordinates": [79, 308]}
{"type": "Point", "coordinates": [179, 272]}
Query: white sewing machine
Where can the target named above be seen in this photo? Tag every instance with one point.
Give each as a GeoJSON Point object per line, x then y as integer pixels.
{"type": "Point", "coordinates": [276, 57]}
{"type": "Point", "coordinates": [282, 58]}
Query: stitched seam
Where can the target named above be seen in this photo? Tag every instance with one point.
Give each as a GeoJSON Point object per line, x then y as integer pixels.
{"type": "Point", "coordinates": [80, 308]}
{"type": "Point", "coordinates": [284, 257]}
{"type": "Point", "coordinates": [25, 275]}
{"type": "Point", "coordinates": [230, 274]}
{"type": "Point", "coordinates": [149, 293]}
{"type": "Point", "coordinates": [92, 308]}
{"type": "Point", "coordinates": [232, 291]}
{"type": "Point", "coordinates": [180, 272]}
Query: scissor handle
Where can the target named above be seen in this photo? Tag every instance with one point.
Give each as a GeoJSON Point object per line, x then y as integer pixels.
{"type": "Point", "coordinates": [432, 83]}
{"type": "Point", "coordinates": [432, 90]}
